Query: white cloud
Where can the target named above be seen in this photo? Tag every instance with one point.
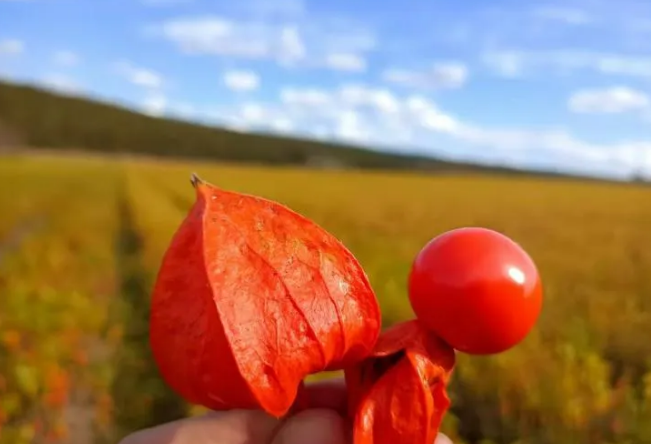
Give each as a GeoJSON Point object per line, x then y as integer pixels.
{"type": "Point", "coordinates": [255, 115]}
{"type": "Point", "coordinates": [515, 63]}
{"type": "Point", "coordinates": [184, 110]}
{"type": "Point", "coordinates": [430, 117]}
{"type": "Point", "coordinates": [62, 84]}
{"type": "Point", "coordinates": [509, 64]}
{"type": "Point", "coordinates": [305, 97]}
{"type": "Point", "coordinates": [564, 14]}
{"type": "Point", "coordinates": [345, 62]}
{"type": "Point", "coordinates": [65, 58]}
{"type": "Point", "coordinates": [140, 76]}
{"type": "Point", "coordinates": [354, 113]}
{"type": "Point", "coordinates": [241, 80]}
{"type": "Point", "coordinates": [345, 97]}
{"type": "Point", "coordinates": [11, 47]}
{"type": "Point", "coordinates": [301, 43]}
{"type": "Point", "coordinates": [281, 125]}
{"type": "Point", "coordinates": [220, 36]}
{"type": "Point", "coordinates": [380, 118]}
{"type": "Point", "coordinates": [617, 99]}
{"type": "Point", "coordinates": [360, 96]}
{"type": "Point", "coordinates": [444, 75]}
{"type": "Point", "coordinates": [350, 126]}
{"type": "Point", "coordinates": [290, 45]}
{"type": "Point", "coordinates": [155, 105]}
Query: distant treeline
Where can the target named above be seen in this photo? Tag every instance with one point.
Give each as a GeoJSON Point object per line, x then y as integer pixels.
{"type": "Point", "coordinates": [37, 118]}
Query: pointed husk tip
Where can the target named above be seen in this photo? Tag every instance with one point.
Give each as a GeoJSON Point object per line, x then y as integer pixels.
{"type": "Point", "coordinates": [195, 180]}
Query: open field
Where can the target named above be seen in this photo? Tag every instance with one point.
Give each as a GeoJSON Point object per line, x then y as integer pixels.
{"type": "Point", "coordinates": [81, 240]}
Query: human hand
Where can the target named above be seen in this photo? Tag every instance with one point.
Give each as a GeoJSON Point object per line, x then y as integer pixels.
{"type": "Point", "coordinates": [322, 423]}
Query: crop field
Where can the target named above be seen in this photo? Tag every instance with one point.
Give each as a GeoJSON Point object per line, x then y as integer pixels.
{"type": "Point", "coordinates": [81, 240]}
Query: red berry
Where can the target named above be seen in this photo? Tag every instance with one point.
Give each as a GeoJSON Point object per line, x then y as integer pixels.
{"type": "Point", "coordinates": [476, 289]}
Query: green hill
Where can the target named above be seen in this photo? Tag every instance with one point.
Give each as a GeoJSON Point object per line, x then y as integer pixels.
{"type": "Point", "coordinates": [33, 117]}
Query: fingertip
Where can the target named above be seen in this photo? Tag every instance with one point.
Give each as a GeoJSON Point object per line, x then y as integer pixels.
{"type": "Point", "coordinates": [317, 426]}
{"type": "Point", "coordinates": [233, 427]}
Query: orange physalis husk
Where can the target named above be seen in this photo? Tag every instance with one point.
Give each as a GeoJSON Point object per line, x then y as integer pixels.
{"type": "Point", "coordinates": [252, 297]}
{"type": "Point", "coordinates": [398, 394]}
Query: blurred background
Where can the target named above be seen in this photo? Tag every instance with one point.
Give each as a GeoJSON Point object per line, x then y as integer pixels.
{"type": "Point", "coordinates": [387, 124]}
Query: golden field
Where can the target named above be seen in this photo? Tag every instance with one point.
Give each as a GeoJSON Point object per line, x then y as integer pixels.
{"type": "Point", "coordinates": [81, 240]}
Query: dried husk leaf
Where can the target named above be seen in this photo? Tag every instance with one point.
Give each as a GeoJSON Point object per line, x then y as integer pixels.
{"type": "Point", "coordinates": [398, 394]}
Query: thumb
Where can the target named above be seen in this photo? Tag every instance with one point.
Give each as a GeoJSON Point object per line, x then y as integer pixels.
{"type": "Point", "coordinates": [316, 426]}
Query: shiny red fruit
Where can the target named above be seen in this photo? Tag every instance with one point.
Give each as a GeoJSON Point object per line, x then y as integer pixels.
{"type": "Point", "coordinates": [476, 289]}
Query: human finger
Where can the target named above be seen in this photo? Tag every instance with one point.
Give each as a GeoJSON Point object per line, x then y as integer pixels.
{"type": "Point", "coordinates": [314, 426]}
{"type": "Point", "coordinates": [231, 427]}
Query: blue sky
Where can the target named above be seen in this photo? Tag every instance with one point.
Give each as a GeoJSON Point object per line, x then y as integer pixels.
{"type": "Point", "coordinates": [563, 85]}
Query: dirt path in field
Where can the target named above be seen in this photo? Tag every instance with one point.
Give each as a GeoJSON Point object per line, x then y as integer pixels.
{"type": "Point", "coordinates": [79, 416]}
{"type": "Point", "coordinates": [80, 413]}
{"type": "Point", "coordinates": [140, 397]}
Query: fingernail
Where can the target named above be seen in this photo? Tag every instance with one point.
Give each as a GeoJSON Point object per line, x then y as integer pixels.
{"type": "Point", "coordinates": [318, 426]}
